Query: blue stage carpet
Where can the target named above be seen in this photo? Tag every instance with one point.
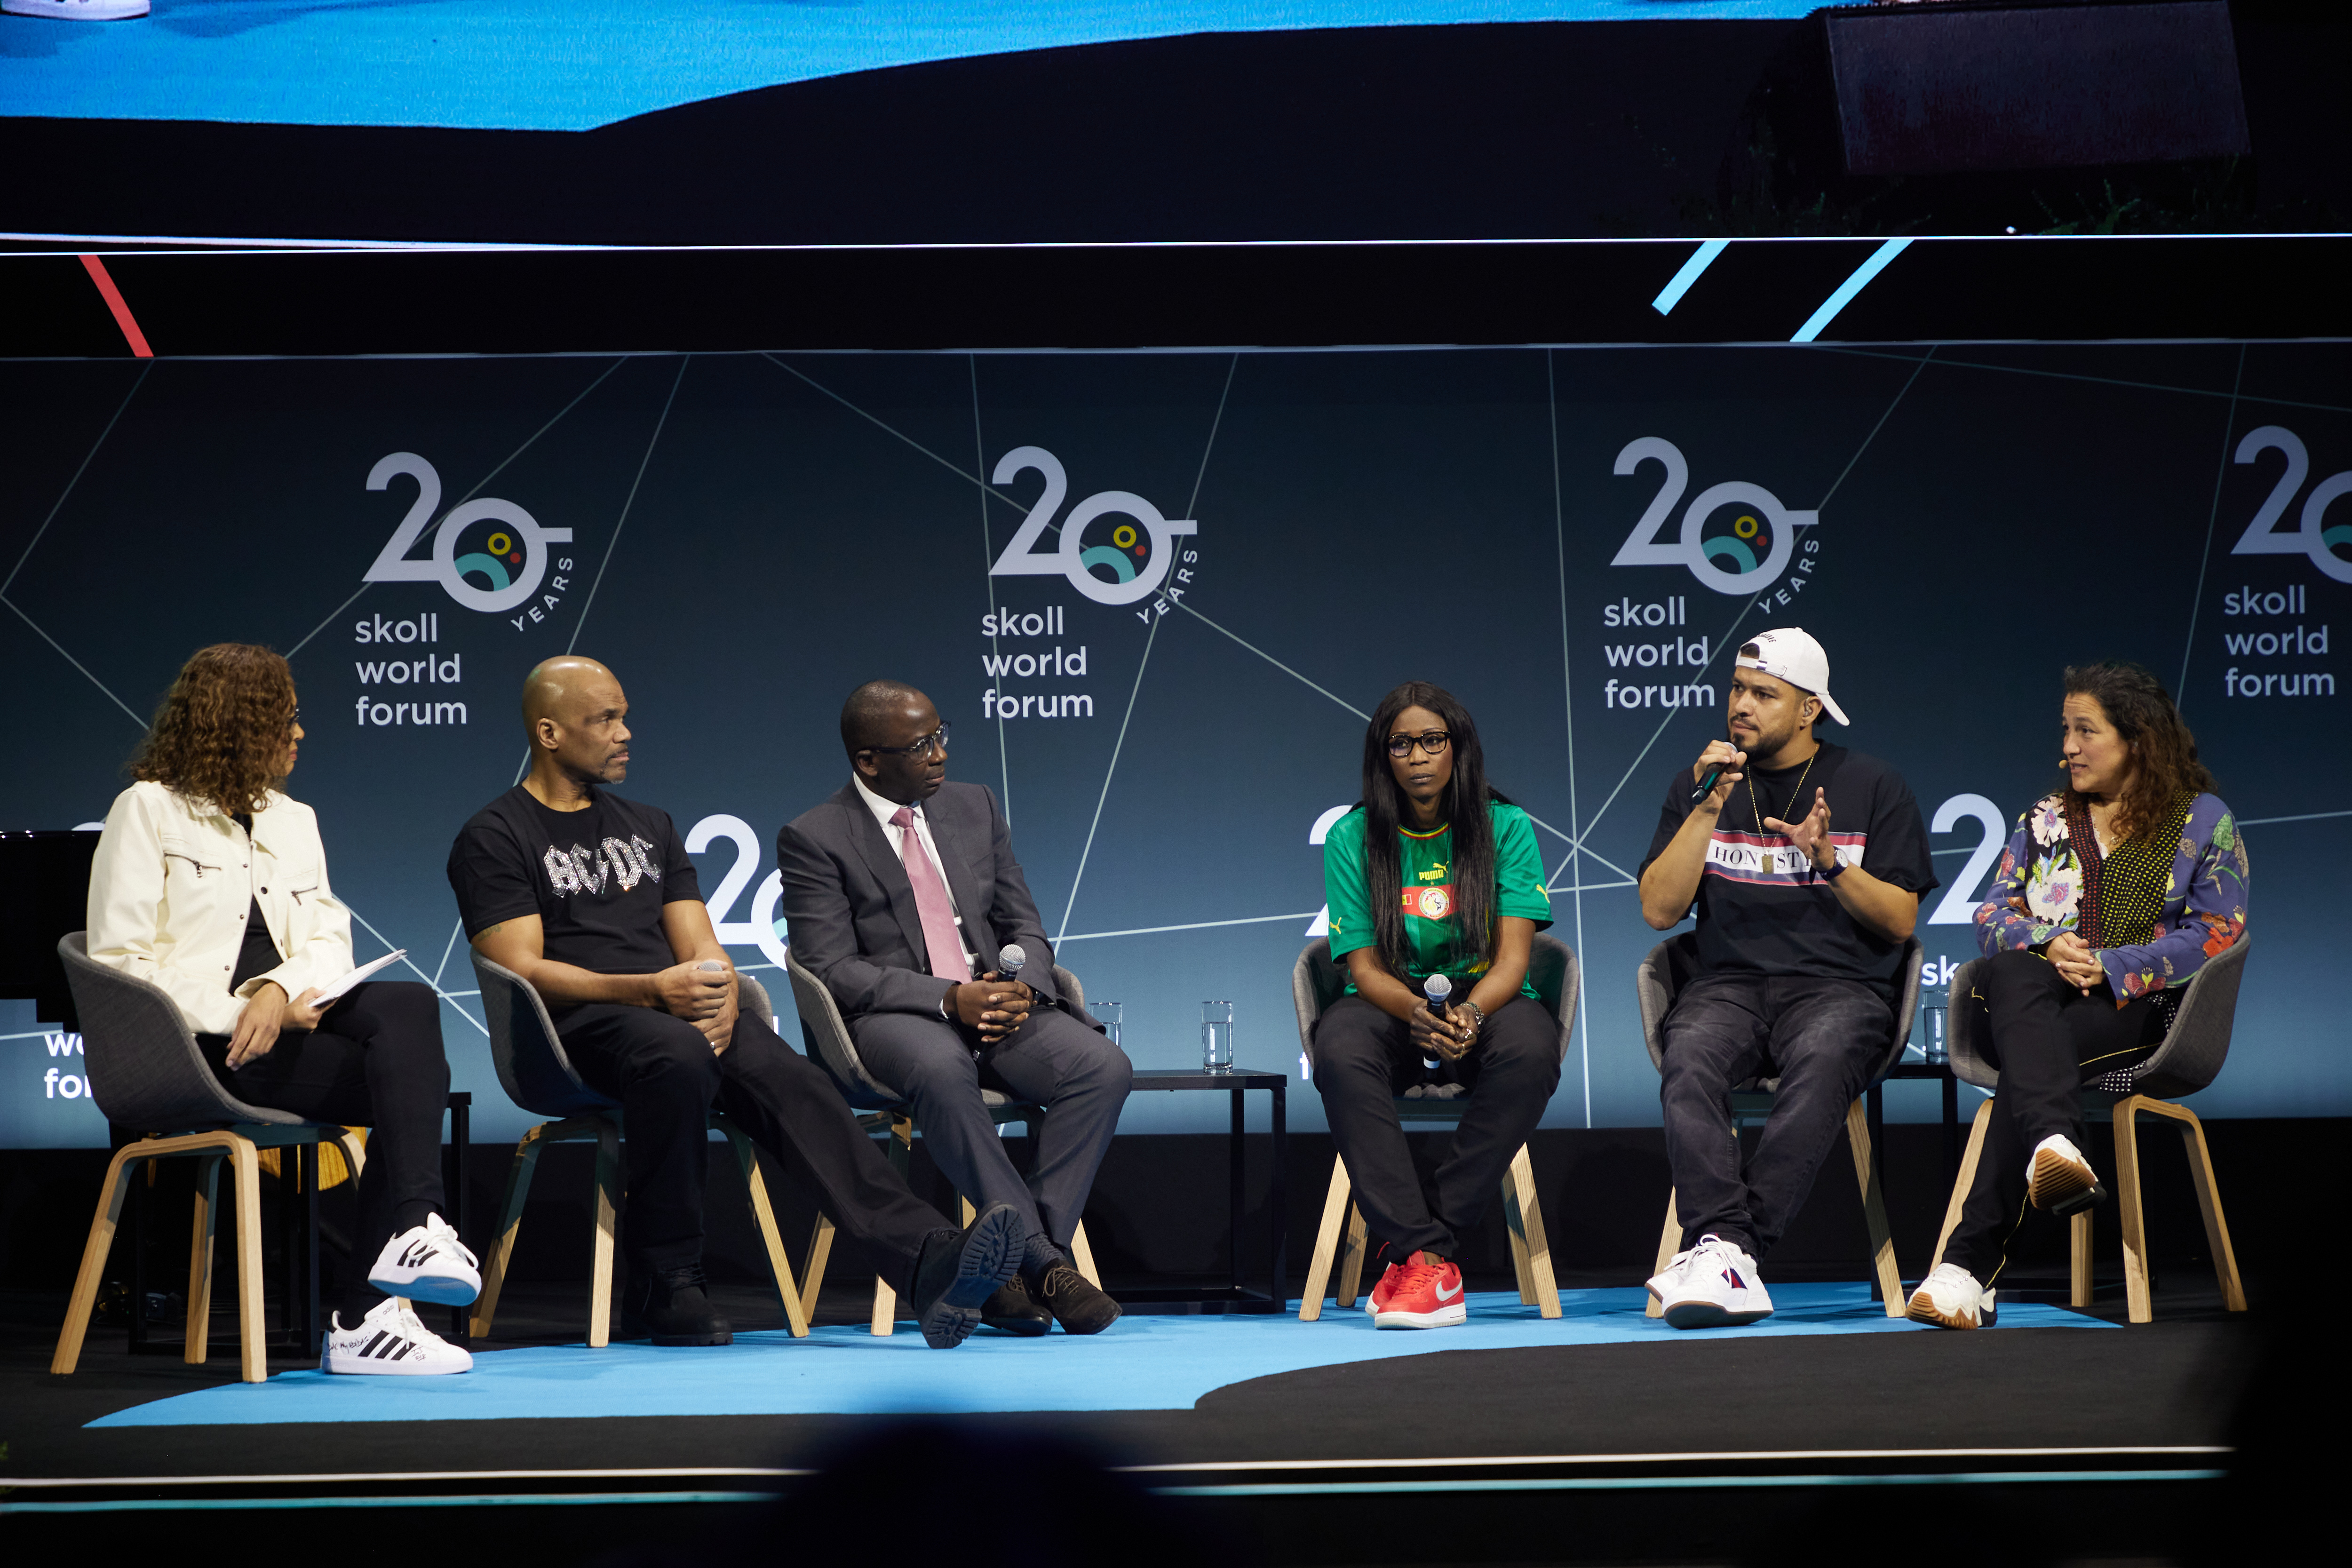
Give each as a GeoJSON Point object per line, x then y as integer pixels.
{"type": "Point", "coordinates": [516, 65]}
{"type": "Point", "coordinates": [1143, 1363]}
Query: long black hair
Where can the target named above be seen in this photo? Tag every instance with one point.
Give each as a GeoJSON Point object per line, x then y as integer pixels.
{"type": "Point", "coordinates": [1471, 869]}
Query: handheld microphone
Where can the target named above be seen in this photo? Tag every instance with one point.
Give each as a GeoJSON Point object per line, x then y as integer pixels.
{"type": "Point", "coordinates": [1437, 988]}
{"type": "Point", "coordinates": [1009, 959]}
{"type": "Point", "coordinates": [1708, 782]}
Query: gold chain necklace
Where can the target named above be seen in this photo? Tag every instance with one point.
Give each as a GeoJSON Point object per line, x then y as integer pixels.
{"type": "Point", "coordinates": [1769, 859]}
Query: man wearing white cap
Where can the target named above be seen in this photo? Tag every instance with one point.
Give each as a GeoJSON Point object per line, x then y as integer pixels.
{"type": "Point", "coordinates": [1796, 951]}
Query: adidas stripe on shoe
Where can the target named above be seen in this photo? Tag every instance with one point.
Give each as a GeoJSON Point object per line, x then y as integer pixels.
{"type": "Point", "coordinates": [391, 1342]}
{"type": "Point", "coordinates": [427, 1263]}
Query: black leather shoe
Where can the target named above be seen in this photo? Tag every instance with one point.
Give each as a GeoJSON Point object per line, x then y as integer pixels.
{"type": "Point", "coordinates": [958, 1270]}
{"type": "Point", "coordinates": [1077, 1304]}
{"type": "Point", "coordinates": [669, 1307]}
{"type": "Point", "coordinates": [1010, 1309]}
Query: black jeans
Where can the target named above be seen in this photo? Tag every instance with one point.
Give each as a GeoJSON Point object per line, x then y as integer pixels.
{"type": "Point", "coordinates": [1821, 1038]}
{"type": "Point", "coordinates": [668, 1080]}
{"type": "Point", "coordinates": [2048, 1039]}
{"type": "Point", "coordinates": [1364, 1059]}
{"type": "Point", "coordinates": [375, 1061]}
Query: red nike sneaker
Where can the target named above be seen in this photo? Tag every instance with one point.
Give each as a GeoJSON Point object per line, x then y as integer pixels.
{"type": "Point", "coordinates": [1426, 1296]}
{"type": "Point", "coordinates": [1382, 1291]}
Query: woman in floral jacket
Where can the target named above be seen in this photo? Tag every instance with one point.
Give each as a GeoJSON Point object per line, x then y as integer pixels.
{"type": "Point", "coordinates": [2115, 891]}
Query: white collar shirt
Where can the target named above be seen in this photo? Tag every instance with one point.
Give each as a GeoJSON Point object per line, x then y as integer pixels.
{"type": "Point", "coordinates": [884, 810]}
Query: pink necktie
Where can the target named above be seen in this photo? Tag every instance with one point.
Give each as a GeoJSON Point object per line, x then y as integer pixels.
{"type": "Point", "coordinates": [930, 902]}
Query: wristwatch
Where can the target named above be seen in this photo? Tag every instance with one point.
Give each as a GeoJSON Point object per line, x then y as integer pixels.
{"type": "Point", "coordinates": [1836, 870]}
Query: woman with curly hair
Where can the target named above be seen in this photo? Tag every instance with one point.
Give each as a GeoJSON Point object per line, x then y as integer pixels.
{"type": "Point", "coordinates": [2114, 891]}
{"type": "Point", "coordinates": [1434, 873]}
{"type": "Point", "coordinates": [211, 884]}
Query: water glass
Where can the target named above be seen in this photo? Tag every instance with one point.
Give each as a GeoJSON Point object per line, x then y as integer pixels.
{"type": "Point", "coordinates": [1217, 1037]}
{"type": "Point", "coordinates": [1109, 1015]}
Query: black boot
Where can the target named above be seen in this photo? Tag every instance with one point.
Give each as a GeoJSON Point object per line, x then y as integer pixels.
{"type": "Point", "coordinates": [958, 1270]}
{"type": "Point", "coordinates": [670, 1306]}
{"type": "Point", "coordinates": [1012, 1310]}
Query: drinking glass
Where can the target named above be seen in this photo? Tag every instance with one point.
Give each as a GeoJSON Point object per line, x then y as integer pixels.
{"type": "Point", "coordinates": [1217, 1037]}
{"type": "Point", "coordinates": [1109, 1015]}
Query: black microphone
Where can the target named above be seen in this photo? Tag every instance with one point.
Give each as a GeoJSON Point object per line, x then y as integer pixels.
{"type": "Point", "coordinates": [1708, 782]}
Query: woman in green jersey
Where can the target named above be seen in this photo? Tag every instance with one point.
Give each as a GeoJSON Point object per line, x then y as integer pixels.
{"type": "Point", "coordinates": [1434, 873]}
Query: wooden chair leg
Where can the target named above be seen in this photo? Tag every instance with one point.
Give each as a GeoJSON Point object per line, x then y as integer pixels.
{"type": "Point", "coordinates": [820, 1253]}
{"type": "Point", "coordinates": [1352, 1246]}
{"type": "Point", "coordinates": [965, 1213]}
{"type": "Point", "coordinates": [1336, 1208]}
{"type": "Point", "coordinates": [2138, 1304]}
{"type": "Point", "coordinates": [2078, 1260]}
{"type": "Point", "coordinates": [1873, 1210]}
{"type": "Point", "coordinates": [200, 1261]}
{"type": "Point", "coordinates": [780, 1268]}
{"type": "Point", "coordinates": [1670, 1241]}
{"type": "Point", "coordinates": [1962, 1184]}
{"type": "Point", "coordinates": [600, 1261]}
{"type": "Point", "coordinates": [1083, 1255]}
{"type": "Point", "coordinates": [502, 1240]}
{"type": "Point", "coordinates": [1530, 1248]}
{"type": "Point", "coordinates": [249, 1323]}
{"type": "Point", "coordinates": [902, 1150]}
{"type": "Point", "coordinates": [2208, 1202]}
{"type": "Point", "coordinates": [94, 1253]}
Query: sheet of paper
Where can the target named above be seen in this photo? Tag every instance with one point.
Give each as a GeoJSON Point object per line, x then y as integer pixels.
{"type": "Point", "coordinates": [356, 975]}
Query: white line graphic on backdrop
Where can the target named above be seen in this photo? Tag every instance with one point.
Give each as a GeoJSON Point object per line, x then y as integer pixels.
{"type": "Point", "coordinates": [2212, 520]}
{"type": "Point", "coordinates": [58, 504]}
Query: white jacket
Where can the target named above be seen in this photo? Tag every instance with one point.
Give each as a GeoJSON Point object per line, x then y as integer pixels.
{"type": "Point", "coordinates": [172, 884]}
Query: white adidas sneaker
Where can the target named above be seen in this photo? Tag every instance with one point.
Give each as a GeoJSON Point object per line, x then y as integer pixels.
{"type": "Point", "coordinates": [1713, 1286]}
{"type": "Point", "coordinates": [429, 1263]}
{"type": "Point", "coordinates": [389, 1342]}
{"type": "Point", "coordinates": [1951, 1298]}
{"type": "Point", "coordinates": [2059, 1179]}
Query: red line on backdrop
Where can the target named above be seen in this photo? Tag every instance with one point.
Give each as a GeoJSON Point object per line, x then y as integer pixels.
{"type": "Point", "coordinates": [113, 297]}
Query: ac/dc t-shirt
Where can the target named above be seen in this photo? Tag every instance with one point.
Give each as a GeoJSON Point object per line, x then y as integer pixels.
{"type": "Point", "coordinates": [597, 879]}
{"type": "Point", "coordinates": [1762, 908]}
{"type": "Point", "coordinates": [1424, 864]}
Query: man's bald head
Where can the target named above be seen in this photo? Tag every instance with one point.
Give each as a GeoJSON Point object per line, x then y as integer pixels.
{"type": "Point", "coordinates": [575, 713]}
{"type": "Point", "coordinates": [556, 684]}
{"type": "Point", "coordinates": [876, 711]}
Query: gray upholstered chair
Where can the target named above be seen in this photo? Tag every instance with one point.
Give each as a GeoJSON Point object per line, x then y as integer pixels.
{"type": "Point", "coordinates": [1661, 978]}
{"type": "Point", "coordinates": [538, 1076]}
{"type": "Point", "coordinates": [146, 1072]}
{"type": "Point", "coordinates": [881, 1110]}
{"type": "Point", "coordinates": [1315, 981]}
{"type": "Point", "coordinates": [2189, 1058]}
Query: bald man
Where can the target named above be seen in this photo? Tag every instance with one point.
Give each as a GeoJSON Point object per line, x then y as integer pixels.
{"type": "Point", "coordinates": [901, 890]}
{"type": "Point", "coordinates": [592, 900]}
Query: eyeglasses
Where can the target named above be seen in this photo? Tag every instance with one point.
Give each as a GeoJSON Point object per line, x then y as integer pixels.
{"type": "Point", "coordinates": [1433, 743]}
{"type": "Point", "coordinates": [938, 738]}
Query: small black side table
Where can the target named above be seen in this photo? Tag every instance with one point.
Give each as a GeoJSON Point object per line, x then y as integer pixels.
{"type": "Point", "coordinates": [1233, 1297]}
{"type": "Point", "coordinates": [1875, 1110]}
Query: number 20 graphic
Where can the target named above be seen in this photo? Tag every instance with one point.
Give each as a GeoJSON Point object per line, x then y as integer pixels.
{"type": "Point", "coordinates": [2313, 538]}
{"type": "Point", "coordinates": [760, 931]}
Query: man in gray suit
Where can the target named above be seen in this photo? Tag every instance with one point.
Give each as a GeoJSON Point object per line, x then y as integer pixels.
{"type": "Point", "coordinates": [899, 891]}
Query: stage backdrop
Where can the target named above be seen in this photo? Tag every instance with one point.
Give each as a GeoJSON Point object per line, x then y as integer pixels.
{"type": "Point", "coordinates": [1156, 595]}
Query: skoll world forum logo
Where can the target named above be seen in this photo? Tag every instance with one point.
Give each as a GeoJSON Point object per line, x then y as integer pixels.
{"type": "Point", "coordinates": [487, 554]}
{"type": "Point", "coordinates": [1114, 547]}
{"type": "Point", "coordinates": [1736, 537]}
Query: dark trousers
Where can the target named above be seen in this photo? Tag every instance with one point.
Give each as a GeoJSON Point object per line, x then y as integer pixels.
{"type": "Point", "coordinates": [375, 1061]}
{"type": "Point", "coordinates": [2048, 1039]}
{"type": "Point", "coordinates": [939, 1068]}
{"type": "Point", "coordinates": [668, 1080]}
{"type": "Point", "coordinates": [1365, 1059]}
{"type": "Point", "coordinates": [1821, 1038]}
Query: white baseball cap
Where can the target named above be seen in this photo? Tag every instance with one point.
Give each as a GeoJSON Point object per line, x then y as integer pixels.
{"type": "Point", "coordinates": [1791, 654]}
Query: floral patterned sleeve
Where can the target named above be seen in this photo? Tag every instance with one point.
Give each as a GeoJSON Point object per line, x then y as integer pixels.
{"type": "Point", "coordinates": [2206, 922]}
{"type": "Point", "coordinates": [2030, 899]}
